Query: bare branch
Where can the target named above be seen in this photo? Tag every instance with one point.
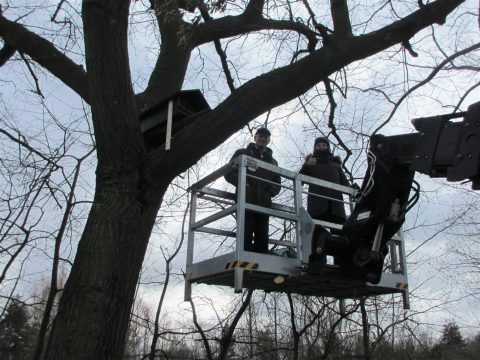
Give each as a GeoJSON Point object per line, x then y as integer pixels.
{"type": "Point", "coordinates": [322, 29]}
{"type": "Point", "coordinates": [409, 48]}
{"type": "Point", "coordinates": [229, 26]}
{"type": "Point", "coordinates": [23, 142]}
{"type": "Point", "coordinates": [286, 83]}
{"type": "Point", "coordinates": [57, 10]}
{"type": "Point", "coordinates": [228, 334]}
{"type": "Point", "coordinates": [44, 53]}
{"type": "Point", "coordinates": [208, 350]}
{"type": "Point", "coordinates": [38, 91]}
{"type": "Point", "coordinates": [331, 124]}
{"type": "Point", "coordinates": [54, 290]}
{"type": "Point", "coordinates": [426, 80]}
{"type": "Point", "coordinates": [168, 268]}
{"type": "Point", "coordinates": [468, 92]}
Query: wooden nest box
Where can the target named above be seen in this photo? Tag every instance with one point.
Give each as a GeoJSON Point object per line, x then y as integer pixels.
{"type": "Point", "coordinates": [160, 122]}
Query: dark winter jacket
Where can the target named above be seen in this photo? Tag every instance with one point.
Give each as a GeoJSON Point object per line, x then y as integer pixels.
{"type": "Point", "coordinates": [257, 191]}
{"type": "Point", "coordinates": [328, 168]}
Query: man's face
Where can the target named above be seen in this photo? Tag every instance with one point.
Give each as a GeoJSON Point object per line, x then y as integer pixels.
{"type": "Point", "coordinates": [320, 146]}
{"type": "Point", "coordinates": [262, 140]}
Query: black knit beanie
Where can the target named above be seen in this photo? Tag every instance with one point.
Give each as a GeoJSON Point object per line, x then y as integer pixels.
{"type": "Point", "coordinates": [322, 140]}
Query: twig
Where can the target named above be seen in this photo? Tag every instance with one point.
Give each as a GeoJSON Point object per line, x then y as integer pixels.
{"type": "Point", "coordinates": [37, 85]}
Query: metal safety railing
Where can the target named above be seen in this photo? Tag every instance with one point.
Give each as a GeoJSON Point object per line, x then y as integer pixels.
{"type": "Point", "coordinates": [219, 215]}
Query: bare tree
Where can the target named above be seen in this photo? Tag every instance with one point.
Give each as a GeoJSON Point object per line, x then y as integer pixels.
{"type": "Point", "coordinates": [54, 289]}
{"type": "Point", "coordinates": [131, 178]}
{"type": "Point", "coordinates": [39, 178]}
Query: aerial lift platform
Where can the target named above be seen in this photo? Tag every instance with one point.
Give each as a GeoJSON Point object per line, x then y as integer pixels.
{"type": "Point", "coordinates": [369, 246]}
{"type": "Point", "coordinates": [215, 251]}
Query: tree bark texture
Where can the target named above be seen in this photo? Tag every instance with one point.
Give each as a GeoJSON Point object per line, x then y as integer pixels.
{"type": "Point", "coordinates": [93, 314]}
{"type": "Point", "coordinates": [94, 309]}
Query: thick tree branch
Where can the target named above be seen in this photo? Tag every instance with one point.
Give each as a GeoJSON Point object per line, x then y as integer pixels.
{"type": "Point", "coordinates": [286, 83]}
{"type": "Point", "coordinates": [114, 111]}
{"type": "Point", "coordinates": [322, 29]}
{"type": "Point", "coordinates": [409, 48]}
{"type": "Point", "coordinates": [179, 38]}
{"type": "Point", "coordinates": [255, 8]}
{"type": "Point", "coordinates": [188, 5]}
{"type": "Point", "coordinates": [229, 26]}
{"type": "Point", "coordinates": [341, 19]}
{"type": "Point", "coordinates": [168, 13]}
{"type": "Point", "coordinates": [166, 80]}
{"type": "Point", "coordinates": [45, 54]}
{"type": "Point", "coordinates": [6, 53]}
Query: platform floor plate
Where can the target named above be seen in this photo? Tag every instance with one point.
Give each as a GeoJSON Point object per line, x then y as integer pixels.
{"type": "Point", "coordinates": [329, 283]}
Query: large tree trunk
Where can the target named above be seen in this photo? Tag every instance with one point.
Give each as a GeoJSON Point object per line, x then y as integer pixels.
{"type": "Point", "coordinates": [93, 314]}
{"type": "Point", "coordinates": [98, 295]}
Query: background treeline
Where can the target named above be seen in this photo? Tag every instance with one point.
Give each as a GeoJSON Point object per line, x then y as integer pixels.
{"type": "Point", "coordinates": [274, 326]}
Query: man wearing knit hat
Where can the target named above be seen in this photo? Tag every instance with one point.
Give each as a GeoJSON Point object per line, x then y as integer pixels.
{"type": "Point", "coordinates": [257, 192]}
{"type": "Point", "coordinates": [322, 164]}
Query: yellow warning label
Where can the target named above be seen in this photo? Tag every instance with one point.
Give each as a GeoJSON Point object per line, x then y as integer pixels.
{"type": "Point", "coordinates": [241, 264]}
{"type": "Point", "coordinates": [401, 285]}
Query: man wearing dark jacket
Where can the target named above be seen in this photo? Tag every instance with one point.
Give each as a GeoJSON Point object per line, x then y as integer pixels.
{"type": "Point", "coordinates": [257, 192]}
{"type": "Point", "coordinates": [323, 165]}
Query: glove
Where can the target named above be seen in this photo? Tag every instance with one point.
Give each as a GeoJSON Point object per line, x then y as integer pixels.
{"type": "Point", "coordinates": [310, 160]}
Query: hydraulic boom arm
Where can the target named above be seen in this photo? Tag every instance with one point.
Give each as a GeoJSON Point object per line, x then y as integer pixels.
{"type": "Point", "coordinates": [442, 147]}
